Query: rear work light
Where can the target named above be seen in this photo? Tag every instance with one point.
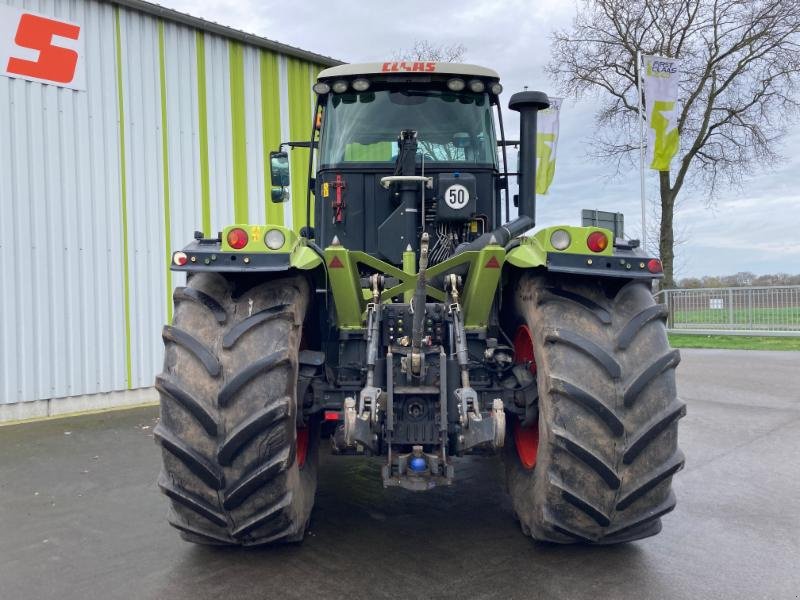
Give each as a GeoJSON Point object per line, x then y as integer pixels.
{"type": "Point", "coordinates": [597, 241]}
{"type": "Point", "coordinates": [654, 266]}
{"type": "Point", "coordinates": [237, 238]}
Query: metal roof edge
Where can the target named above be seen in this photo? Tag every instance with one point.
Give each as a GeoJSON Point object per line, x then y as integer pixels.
{"type": "Point", "coordinates": [170, 14]}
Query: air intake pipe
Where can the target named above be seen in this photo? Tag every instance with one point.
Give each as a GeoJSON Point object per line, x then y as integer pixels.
{"type": "Point", "coordinates": [527, 104]}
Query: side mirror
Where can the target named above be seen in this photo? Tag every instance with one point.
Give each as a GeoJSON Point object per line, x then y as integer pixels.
{"type": "Point", "coordinates": [279, 175]}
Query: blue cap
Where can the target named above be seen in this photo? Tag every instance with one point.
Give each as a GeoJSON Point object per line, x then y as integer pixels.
{"type": "Point", "coordinates": [418, 464]}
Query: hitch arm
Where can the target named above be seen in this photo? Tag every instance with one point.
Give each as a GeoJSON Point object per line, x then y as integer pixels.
{"type": "Point", "coordinates": [418, 309]}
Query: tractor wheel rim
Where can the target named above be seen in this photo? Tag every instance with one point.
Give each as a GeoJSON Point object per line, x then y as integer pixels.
{"type": "Point", "coordinates": [523, 348]}
{"type": "Point", "coordinates": [302, 446]}
{"type": "Point", "coordinates": [302, 436]}
{"type": "Point", "coordinates": [526, 439]}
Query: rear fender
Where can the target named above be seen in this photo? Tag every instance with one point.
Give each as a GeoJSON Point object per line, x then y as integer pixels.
{"type": "Point", "coordinates": [537, 251]}
{"type": "Point", "coordinates": [218, 256]}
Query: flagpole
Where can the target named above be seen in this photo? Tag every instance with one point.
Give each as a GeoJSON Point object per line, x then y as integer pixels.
{"type": "Point", "coordinates": [641, 147]}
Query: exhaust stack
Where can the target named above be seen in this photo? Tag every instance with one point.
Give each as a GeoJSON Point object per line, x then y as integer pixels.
{"type": "Point", "coordinates": [528, 104]}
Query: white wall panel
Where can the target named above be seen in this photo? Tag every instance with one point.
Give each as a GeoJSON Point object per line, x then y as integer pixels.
{"type": "Point", "coordinates": [146, 264]}
{"type": "Point", "coordinates": [183, 137]}
{"type": "Point", "coordinates": [101, 207]}
{"type": "Point", "coordinates": [62, 332]}
{"type": "Point", "coordinates": [220, 156]}
{"type": "Point", "coordinates": [252, 114]}
{"type": "Point", "coordinates": [62, 297]}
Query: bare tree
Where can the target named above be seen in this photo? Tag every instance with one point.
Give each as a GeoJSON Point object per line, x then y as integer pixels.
{"type": "Point", "coordinates": [741, 63]}
{"type": "Point", "coordinates": [425, 50]}
{"type": "Point", "coordinates": [681, 234]}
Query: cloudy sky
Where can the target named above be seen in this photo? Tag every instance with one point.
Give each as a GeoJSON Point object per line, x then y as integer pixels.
{"type": "Point", "coordinates": [749, 229]}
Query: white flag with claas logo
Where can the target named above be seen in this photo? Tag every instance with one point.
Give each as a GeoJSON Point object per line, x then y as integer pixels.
{"type": "Point", "coordinates": [660, 78]}
{"type": "Point", "coordinates": [546, 144]}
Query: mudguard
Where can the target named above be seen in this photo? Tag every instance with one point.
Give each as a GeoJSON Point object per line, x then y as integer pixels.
{"type": "Point", "coordinates": [615, 260]}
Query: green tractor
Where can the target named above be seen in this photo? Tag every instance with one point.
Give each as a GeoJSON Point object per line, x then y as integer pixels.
{"type": "Point", "coordinates": [413, 320]}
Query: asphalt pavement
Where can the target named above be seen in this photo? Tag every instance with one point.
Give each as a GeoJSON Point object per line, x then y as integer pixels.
{"type": "Point", "coordinates": [81, 518]}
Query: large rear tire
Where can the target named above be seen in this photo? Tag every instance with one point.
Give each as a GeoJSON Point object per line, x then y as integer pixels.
{"type": "Point", "coordinates": [238, 466]}
{"type": "Point", "coordinates": [606, 447]}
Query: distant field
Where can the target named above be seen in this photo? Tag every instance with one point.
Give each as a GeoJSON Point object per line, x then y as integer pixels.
{"type": "Point", "coordinates": [765, 316]}
{"type": "Point", "coordinates": [734, 342]}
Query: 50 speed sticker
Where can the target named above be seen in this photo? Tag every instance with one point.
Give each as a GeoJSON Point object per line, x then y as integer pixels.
{"type": "Point", "coordinates": [456, 196]}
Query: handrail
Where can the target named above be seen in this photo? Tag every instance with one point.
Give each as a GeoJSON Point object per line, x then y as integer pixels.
{"type": "Point", "coordinates": [389, 180]}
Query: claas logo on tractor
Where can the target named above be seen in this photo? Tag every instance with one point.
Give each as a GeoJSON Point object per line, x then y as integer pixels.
{"type": "Point", "coordinates": [405, 318]}
{"type": "Point", "coordinates": [408, 67]}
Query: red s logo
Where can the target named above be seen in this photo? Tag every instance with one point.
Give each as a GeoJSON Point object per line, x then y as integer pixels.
{"type": "Point", "coordinates": [55, 63]}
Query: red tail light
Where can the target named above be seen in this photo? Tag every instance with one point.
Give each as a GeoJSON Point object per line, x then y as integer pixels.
{"type": "Point", "coordinates": [180, 258]}
{"type": "Point", "coordinates": [654, 266]}
{"type": "Point", "coordinates": [597, 241]}
{"type": "Point", "coordinates": [237, 238]}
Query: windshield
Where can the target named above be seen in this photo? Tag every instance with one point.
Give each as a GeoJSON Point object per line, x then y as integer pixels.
{"type": "Point", "coordinates": [451, 127]}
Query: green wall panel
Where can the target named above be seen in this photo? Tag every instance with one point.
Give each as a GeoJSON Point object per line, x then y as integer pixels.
{"type": "Point", "coordinates": [300, 107]}
{"type": "Point", "coordinates": [238, 132]}
{"type": "Point", "coordinates": [271, 120]}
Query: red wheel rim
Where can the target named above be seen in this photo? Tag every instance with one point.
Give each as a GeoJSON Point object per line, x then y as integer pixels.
{"type": "Point", "coordinates": [523, 348]}
{"type": "Point", "coordinates": [526, 439]}
{"type": "Point", "coordinates": [302, 432]}
{"type": "Point", "coordinates": [302, 446]}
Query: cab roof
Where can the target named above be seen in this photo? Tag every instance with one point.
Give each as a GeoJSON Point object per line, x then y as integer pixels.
{"type": "Point", "coordinates": [408, 67]}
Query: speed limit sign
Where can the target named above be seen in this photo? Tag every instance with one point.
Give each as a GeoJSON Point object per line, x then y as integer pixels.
{"type": "Point", "coordinates": [456, 196]}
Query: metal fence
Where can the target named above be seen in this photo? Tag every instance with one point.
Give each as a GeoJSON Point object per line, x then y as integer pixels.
{"type": "Point", "coordinates": [736, 310]}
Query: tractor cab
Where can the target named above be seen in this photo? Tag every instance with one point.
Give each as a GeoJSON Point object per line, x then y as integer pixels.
{"type": "Point", "coordinates": [435, 121]}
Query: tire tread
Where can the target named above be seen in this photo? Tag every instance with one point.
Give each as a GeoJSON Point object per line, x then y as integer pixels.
{"type": "Point", "coordinates": [228, 413]}
{"type": "Point", "coordinates": [608, 443]}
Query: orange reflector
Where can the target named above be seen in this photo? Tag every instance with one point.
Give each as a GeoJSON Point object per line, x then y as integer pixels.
{"type": "Point", "coordinates": [335, 263]}
{"type": "Point", "coordinates": [493, 263]}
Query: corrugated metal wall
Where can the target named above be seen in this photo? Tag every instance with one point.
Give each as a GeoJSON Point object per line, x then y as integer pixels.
{"type": "Point", "coordinates": [90, 210]}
